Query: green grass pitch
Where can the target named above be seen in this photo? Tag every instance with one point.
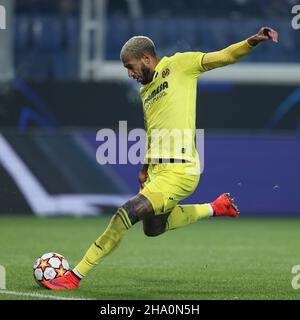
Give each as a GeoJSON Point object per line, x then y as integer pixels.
{"type": "Point", "coordinates": [212, 259]}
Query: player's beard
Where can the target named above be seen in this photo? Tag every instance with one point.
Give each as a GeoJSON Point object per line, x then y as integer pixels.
{"type": "Point", "coordinates": [147, 74]}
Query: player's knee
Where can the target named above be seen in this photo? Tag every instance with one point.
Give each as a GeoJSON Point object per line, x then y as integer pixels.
{"type": "Point", "coordinates": [153, 228]}
{"type": "Point", "coordinates": [137, 208]}
{"type": "Point", "coordinates": [152, 233]}
{"type": "Point", "coordinates": [130, 210]}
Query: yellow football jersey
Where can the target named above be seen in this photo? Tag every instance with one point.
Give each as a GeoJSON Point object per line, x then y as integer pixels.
{"type": "Point", "coordinates": [169, 105]}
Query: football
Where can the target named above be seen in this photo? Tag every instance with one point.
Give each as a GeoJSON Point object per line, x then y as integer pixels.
{"type": "Point", "coordinates": [49, 266]}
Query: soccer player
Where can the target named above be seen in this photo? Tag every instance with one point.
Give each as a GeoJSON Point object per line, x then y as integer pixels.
{"type": "Point", "coordinates": [168, 93]}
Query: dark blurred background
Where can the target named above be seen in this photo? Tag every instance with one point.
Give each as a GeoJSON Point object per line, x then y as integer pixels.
{"type": "Point", "coordinates": [62, 81]}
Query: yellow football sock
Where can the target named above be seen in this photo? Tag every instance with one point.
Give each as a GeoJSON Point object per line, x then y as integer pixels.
{"type": "Point", "coordinates": [108, 241]}
{"type": "Point", "coordinates": [183, 215]}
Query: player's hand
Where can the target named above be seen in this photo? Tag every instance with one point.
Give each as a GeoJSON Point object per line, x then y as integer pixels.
{"type": "Point", "coordinates": [143, 175]}
{"type": "Point", "coordinates": [264, 34]}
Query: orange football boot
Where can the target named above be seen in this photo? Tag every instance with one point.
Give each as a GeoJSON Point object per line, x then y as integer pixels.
{"type": "Point", "coordinates": [224, 206]}
{"type": "Point", "coordinates": [69, 281]}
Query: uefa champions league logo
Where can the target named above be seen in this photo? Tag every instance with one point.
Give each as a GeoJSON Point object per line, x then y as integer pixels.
{"type": "Point", "coordinates": [2, 18]}
{"type": "Point", "coordinates": [2, 278]}
{"type": "Point", "coordinates": [296, 19]}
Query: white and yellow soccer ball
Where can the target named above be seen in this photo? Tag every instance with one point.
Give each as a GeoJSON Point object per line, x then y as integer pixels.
{"type": "Point", "coordinates": [50, 266]}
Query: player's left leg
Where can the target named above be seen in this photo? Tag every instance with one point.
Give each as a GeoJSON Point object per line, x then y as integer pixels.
{"type": "Point", "coordinates": [126, 216]}
{"type": "Point", "coordinates": [129, 214]}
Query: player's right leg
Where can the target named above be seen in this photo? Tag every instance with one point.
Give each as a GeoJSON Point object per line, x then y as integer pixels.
{"type": "Point", "coordinates": [183, 215]}
{"type": "Point", "coordinates": [130, 213]}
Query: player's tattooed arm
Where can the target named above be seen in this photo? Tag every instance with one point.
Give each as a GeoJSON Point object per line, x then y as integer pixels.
{"type": "Point", "coordinates": [265, 33]}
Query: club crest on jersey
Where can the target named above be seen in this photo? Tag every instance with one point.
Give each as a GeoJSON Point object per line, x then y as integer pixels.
{"type": "Point", "coordinates": [165, 73]}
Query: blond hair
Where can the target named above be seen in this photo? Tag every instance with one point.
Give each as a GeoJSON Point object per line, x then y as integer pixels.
{"type": "Point", "coordinates": [137, 46]}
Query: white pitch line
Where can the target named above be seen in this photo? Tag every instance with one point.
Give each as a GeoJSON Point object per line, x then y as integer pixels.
{"type": "Point", "coordinates": [38, 295]}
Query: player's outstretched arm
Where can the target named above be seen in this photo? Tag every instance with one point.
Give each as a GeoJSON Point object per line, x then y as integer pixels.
{"type": "Point", "coordinates": [264, 34]}
{"type": "Point", "coordinates": [238, 50]}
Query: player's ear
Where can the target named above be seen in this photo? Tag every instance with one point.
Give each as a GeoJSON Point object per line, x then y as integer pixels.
{"type": "Point", "coordinates": [146, 59]}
